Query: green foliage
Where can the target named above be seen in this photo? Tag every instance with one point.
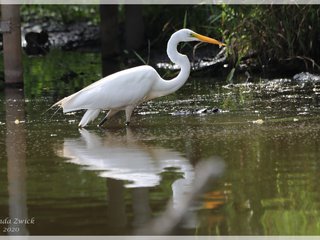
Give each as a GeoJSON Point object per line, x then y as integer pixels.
{"type": "Point", "coordinates": [230, 75]}
{"type": "Point", "coordinates": [234, 28]}
{"type": "Point", "coordinates": [60, 73]}
{"type": "Point", "coordinates": [273, 32]}
{"type": "Point", "coordinates": [162, 20]}
{"type": "Point", "coordinates": [287, 31]}
{"type": "Point", "coordinates": [61, 13]}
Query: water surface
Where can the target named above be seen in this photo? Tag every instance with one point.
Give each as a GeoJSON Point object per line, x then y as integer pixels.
{"type": "Point", "coordinates": [115, 180]}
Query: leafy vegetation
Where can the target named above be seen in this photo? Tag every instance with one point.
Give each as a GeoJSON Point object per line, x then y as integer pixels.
{"type": "Point", "coordinates": [60, 13]}
{"type": "Point", "coordinates": [260, 33]}
{"type": "Point", "coordinates": [48, 76]}
{"type": "Point", "coordinates": [274, 33]}
{"type": "Point", "coordinates": [267, 32]}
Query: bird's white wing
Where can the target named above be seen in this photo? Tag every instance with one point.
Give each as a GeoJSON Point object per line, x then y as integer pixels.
{"type": "Point", "coordinates": [124, 88]}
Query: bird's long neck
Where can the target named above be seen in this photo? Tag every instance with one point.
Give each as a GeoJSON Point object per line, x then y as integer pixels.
{"type": "Point", "coordinates": [170, 86]}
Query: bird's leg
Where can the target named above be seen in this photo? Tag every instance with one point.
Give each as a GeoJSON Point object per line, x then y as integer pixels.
{"type": "Point", "coordinates": [109, 115]}
{"type": "Point", "coordinates": [103, 121]}
{"type": "Point", "coordinates": [129, 111]}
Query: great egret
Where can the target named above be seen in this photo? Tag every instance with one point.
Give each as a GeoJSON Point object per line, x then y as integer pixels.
{"type": "Point", "coordinates": [128, 88]}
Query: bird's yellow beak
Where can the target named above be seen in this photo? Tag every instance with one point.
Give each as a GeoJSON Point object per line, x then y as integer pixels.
{"type": "Point", "coordinates": [207, 39]}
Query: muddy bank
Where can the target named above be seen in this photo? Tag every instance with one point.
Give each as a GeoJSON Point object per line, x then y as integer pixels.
{"type": "Point", "coordinates": [81, 35]}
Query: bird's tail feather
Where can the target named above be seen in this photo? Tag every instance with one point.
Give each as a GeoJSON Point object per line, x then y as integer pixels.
{"type": "Point", "coordinates": [58, 104]}
{"type": "Point", "coordinates": [89, 116]}
{"type": "Point", "coordinates": [63, 103]}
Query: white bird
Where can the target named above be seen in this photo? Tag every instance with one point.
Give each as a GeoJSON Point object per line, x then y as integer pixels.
{"type": "Point", "coordinates": [126, 89]}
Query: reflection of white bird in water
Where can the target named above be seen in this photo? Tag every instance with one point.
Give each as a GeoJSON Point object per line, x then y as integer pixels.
{"type": "Point", "coordinates": [126, 89]}
{"type": "Point", "coordinates": [140, 166]}
{"type": "Point", "coordinates": [124, 158]}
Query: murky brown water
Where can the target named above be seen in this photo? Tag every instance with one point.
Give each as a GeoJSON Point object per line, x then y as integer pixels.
{"type": "Point", "coordinates": [65, 181]}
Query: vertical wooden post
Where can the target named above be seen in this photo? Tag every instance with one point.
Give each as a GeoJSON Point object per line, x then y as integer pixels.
{"type": "Point", "coordinates": [12, 53]}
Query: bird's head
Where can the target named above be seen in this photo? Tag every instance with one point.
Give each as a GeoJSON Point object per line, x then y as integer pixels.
{"type": "Point", "coordinates": [187, 35]}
